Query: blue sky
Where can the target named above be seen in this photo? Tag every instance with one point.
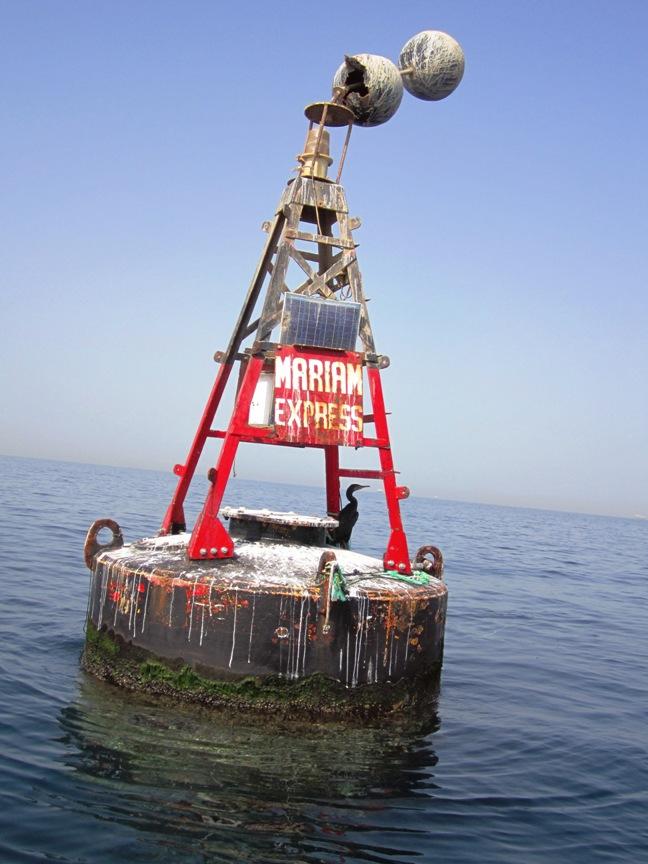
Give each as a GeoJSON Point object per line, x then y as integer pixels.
{"type": "Point", "coordinates": [503, 242]}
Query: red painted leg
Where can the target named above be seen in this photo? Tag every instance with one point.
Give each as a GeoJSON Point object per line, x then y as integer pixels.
{"type": "Point", "coordinates": [209, 538]}
{"type": "Point", "coordinates": [396, 555]}
{"type": "Point", "coordinates": [332, 462]}
{"type": "Point", "coordinates": [174, 519]}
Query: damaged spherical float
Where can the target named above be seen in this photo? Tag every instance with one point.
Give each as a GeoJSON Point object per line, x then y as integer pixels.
{"type": "Point", "coordinates": [267, 611]}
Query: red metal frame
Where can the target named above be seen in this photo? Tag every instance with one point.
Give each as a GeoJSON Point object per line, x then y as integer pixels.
{"type": "Point", "coordinates": [396, 556]}
{"type": "Point", "coordinates": [209, 538]}
{"type": "Point", "coordinates": [174, 519]}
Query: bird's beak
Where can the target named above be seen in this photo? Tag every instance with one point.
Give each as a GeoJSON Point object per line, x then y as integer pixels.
{"type": "Point", "coordinates": [364, 487]}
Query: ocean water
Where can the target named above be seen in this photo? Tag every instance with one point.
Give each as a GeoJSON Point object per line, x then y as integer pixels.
{"type": "Point", "coordinates": [539, 752]}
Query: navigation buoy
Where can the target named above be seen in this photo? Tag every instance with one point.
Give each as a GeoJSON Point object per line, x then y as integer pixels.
{"type": "Point", "coordinates": [261, 610]}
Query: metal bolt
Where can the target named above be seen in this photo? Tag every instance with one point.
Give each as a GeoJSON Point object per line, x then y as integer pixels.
{"type": "Point", "coordinates": [390, 563]}
{"type": "Point", "coordinates": [224, 550]}
{"type": "Point", "coordinates": [213, 550]}
{"type": "Point", "coordinates": [203, 552]}
{"type": "Point", "coordinates": [401, 566]}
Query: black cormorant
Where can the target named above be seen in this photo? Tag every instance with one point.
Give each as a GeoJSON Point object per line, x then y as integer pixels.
{"type": "Point", "coordinates": [347, 518]}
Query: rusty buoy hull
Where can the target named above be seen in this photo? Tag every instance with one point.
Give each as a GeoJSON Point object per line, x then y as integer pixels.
{"type": "Point", "coordinates": [256, 632]}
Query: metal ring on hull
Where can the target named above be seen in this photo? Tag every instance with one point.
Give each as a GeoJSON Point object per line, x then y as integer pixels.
{"type": "Point", "coordinates": [92, 547]}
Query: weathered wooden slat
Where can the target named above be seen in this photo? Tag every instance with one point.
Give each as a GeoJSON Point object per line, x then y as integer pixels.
{"type": "Point", "coordinates": [319, 281]}
{"type": "Point", "coordinates": [271, 321]}
{"type": "Point", "coordinates": [310, 256]}
{"type": "Point", "coordinates": [277, 285]}
{"type": "Point", "coordinates": [319, 238]}
{"type": "Point", "coordinates": [298, 258]}
{"type": "Point", "coordinates": [355, 281]}
{"type": "Point", "coordinates": [223, 357]}
{"type": "Point", "coordinates": [316, 193]}
{"type": "Point", "coordinates": [324, 290]}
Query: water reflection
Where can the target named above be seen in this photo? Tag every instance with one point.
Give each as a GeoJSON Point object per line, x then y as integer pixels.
{"type": "Point", "coordinates": [197, 786]}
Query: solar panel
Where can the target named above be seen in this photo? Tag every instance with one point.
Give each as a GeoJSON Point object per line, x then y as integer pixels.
{"type": "Point", "coordinates": [320, 323]}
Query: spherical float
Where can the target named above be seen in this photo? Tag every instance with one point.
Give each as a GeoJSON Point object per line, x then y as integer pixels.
{"type": "Point", "coordinates": [432, 65]}
{"type": "Point", "coordinates": [372, 88]}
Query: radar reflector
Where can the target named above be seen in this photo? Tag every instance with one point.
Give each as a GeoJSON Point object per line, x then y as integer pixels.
{"type": "Point", "coordinates": [320, 323]}
{"type": "Point", "coordinates": [371, 86]}
{"type": "Point", "coordinates": [432, 65]}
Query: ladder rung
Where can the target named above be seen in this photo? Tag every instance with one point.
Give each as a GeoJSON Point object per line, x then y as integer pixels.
{"type": "Point", "coordinates": [365, 472]}
{"type": "Point", "coordinates": [375, 442]}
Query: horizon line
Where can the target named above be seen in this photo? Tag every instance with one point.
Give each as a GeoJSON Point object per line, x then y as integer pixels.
{"type": "Point", "coordinates": [635, 517]}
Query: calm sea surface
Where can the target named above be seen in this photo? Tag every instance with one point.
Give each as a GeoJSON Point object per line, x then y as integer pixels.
{"type": "Point", "coordinates": [540, 752]}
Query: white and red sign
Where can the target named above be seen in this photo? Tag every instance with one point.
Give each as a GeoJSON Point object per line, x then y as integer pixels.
{"type": "Point", "coordinates": [318, 397]}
